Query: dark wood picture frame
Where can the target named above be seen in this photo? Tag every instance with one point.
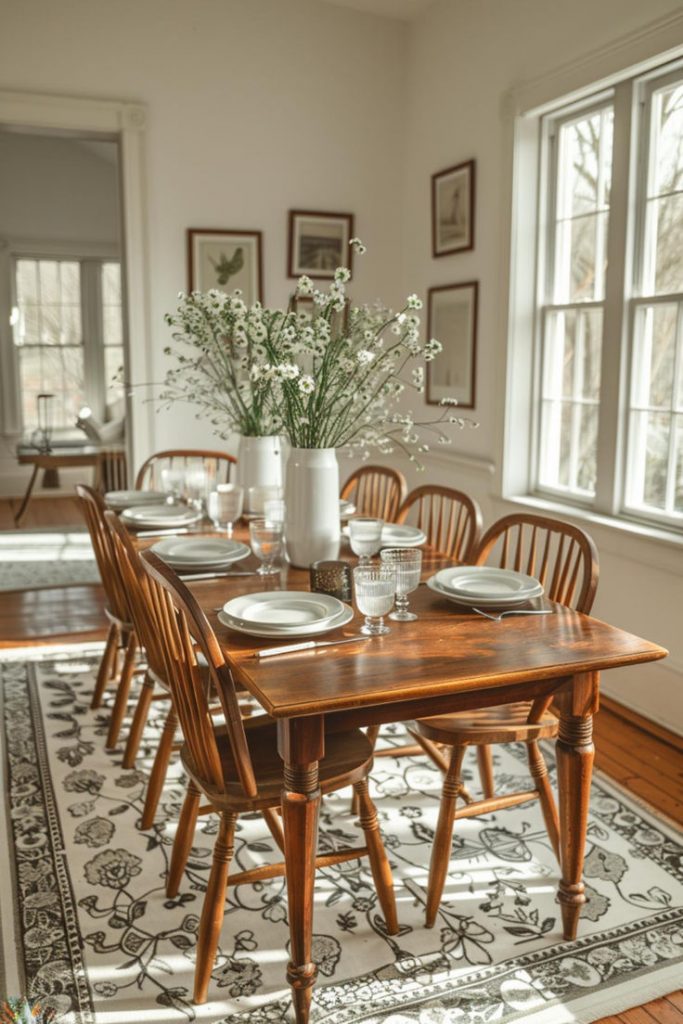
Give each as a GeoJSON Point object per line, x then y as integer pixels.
{"type": "Point", "coordinates": [296, 266]}
{"type": "Point", "coordinates": [466, 172]}
{"type": "Point", "coordinates": [465, 392]}
{"type": "Point", "coordinates": [194, 280]}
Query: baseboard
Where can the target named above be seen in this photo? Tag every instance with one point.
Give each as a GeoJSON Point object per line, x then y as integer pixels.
{"type": "Point", "coordinates": [673, 739]}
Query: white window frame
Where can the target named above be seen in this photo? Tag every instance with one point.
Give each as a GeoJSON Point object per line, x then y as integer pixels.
{"type": "Point", "coordinates": [614, 67]}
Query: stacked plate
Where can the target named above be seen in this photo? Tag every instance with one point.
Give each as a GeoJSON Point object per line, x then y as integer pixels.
{"type": "Point", "coordinates": [395, 536]}
{"type": "Point", "coordinates": [200, 554]}
{"type": "Point", "coordinates": [285, 613]}
{"type": "Point", "coordinates": [120, 500]}
{"type": "Point", "coordinates": [482, 586]}
{"type": "Point", "coordinates": [165, 517]}
{"type": "Point", "coordinates": [346, 509]}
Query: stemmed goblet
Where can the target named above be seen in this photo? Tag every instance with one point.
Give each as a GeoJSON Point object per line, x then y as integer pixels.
{"type": "Point", "coordinates": [365, 537]}
{"type": "Point", "coordinates": [406, 564]}
{"type": "Point", "coordinates": [225, 506]}
{"type": "Point", "coordinates": [374, 587]}
{"type": "Point", "coordinates": [266, 543]}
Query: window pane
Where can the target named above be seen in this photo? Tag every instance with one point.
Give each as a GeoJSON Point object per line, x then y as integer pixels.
{"type": "Point", "coordinates": [27, 286]}
{"type": "Point", "coordinates": [678, 483]}
{"type": "Point", "coordinates": [665, 222]}
{"type": "Point", "coordinates": [112, 325]}
{"type": "Point", "coordinates": [591, 352]}
{"type": "Point", "coordinates": [586, 470]}
{"type": "Point", "coordinates": [111, 284]}
{"type": "Point", "coordinates": [667, 112]}
{"type": "Point", "coordinates": [71, 283]}
{"type": "Point", "coordinates": [48, 275]}
{"type": "Point", "coordinates": [113, 361]}
{"type": "Point", "coordinates": [656, 459]}
{"type": "Point", "coordinates": [654, 355]}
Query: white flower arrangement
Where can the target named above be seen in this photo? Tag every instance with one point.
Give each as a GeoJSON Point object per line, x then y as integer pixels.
{"type": "Point", "coordinates": [326, 380]}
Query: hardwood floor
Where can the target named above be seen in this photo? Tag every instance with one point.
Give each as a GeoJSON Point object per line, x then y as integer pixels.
{"type": "Point", "coordinates": [637, 755]}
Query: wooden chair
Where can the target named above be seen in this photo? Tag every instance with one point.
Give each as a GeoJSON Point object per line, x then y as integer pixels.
{"type": "Point", "coordinates": [450, 519]}
{"type": "Point", "coordinates": [237, 768]}
{"type": "Point", "coordinates": [111, 471]}
{"type": "Point", "coordinates": [565, 560]}
{"type": "Point", "coordinates": [117, 609]}
{"type": "Point", "coordinates": [376, 491]}
{"type": "Point", "coordinates": [218, 466]}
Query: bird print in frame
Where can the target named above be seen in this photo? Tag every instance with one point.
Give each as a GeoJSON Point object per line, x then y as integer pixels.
{"type": "Point", "coordinates": [225, 259]}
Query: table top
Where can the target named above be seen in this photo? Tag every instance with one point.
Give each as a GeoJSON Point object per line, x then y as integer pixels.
{"type": "Point", "coordinates": [65, 455]}
{"type": "Point", "coordinates": [446, 650]}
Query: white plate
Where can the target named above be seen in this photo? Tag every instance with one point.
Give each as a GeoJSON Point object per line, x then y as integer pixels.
{"type": "Point", "coordinates": [282, 609]}
{"type": "Point", "coordinates": [465, 601]}
{"type": "Point", "coordinates": [346, 509]}
{"type": "Point", "coordinates": [160, 515]}
{"type": "Point", "coordinates": [486, 582]}
{"type": "Point", "coordinates": [119, 500]}
{"type": "Point", "coordinates": [272, 632]}
{"type": "Point", "coordinates": [200, 552]}
{"type": "Point", "coordinates": [395, 536]}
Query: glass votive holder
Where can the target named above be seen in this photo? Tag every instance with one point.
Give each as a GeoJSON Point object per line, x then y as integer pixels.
{"type": "Point", "coordinates": [331, 577]}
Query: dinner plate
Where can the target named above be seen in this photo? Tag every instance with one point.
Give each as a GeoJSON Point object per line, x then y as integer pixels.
{"type": "Point", "coordinates": [487, 582]}
{"type": "Point", "coordinates": [200, 552]}
{"type": "Point", "coordinates": [160, 515]}
{"type": "Point", "coordinates": [468, 601]}
{"type": "Point", "coordinates": [346, 509]}
{"type": "Point", "coordinates": [119, 500]}
{"type": "Point", "coordinates": [283, 609]}
{"type": "Point", "coordinates": [395, 536]}
{"type": "Point", "coordinates": [273, 632]}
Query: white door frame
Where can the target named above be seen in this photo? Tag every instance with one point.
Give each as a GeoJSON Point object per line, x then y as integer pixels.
{"type": "Point", "coordinates": [124, 123]}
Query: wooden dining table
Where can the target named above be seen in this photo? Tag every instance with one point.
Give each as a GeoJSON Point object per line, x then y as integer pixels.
{"type": "Point", "coordinates": [449, 659]}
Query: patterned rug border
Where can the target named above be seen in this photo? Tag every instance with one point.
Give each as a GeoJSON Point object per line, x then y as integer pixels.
{"type": "Point", "coordinates": [406, 993]}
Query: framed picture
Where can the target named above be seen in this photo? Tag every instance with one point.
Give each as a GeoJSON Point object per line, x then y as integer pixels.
{"type": "Point", "coordinates": [452, 320]}
{"type": "Point", "coordinates": [319, 243]}
{"type": "Point", "coordinates": [305, 304]}
{"type": "Point", "coordinates": [453, 209]}
{"type": "Point", "coordinates": [225, 260]}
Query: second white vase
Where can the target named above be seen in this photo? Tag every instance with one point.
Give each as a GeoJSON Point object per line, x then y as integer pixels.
{"type": "Point", "coordinates": [259, 464]}
{"type": "Point", "coordinates": [312, 527]}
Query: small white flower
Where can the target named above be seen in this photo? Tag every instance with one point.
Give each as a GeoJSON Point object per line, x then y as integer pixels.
{"type": "Point", "coordinates": [306, 384]}
{"type": "Point", "coordinates": [342, 275]}
{"type": "Point", "coordinates": [304, 285]}
{"type": "Point", "coordinates": [288, 371]}
{"type": "Point", "coordinates": [418, 376]}
{"type": "Point", "coordinates": [365, 357]}
{"type": "Point", "coordinates": [358, 246]}
{"type": "Point", "coordinates": [413, 302]}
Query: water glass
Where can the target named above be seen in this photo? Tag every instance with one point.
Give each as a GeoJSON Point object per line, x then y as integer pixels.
{"type": "Point", "coordinates": [374, 586]}
{"type": "Point", "coordinates": [173, 484]}
{"type": "Point", "coordinates": [274, 510]}
{"type": "Point", "coordinates": [407, 566]}
{"type": "Point", "coordinates": [225, 506]}
{"type": "Point", "coordinates": [365, 536]}
{"type": "Point", "coordinates": [196, 486]}
{"type": "Point", "coordinates": [258, 496]}
{"type": "Point", "coordinates": [266, 543]}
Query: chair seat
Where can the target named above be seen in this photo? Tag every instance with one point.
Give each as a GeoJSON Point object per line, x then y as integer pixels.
{"type": "Point", "coordinates": [504, 723]}
{"type": "Point", "coordinates": [348, 759]}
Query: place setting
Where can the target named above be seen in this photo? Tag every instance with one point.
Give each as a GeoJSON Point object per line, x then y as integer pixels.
{"type": "Point", "coordinates": [488, 591]}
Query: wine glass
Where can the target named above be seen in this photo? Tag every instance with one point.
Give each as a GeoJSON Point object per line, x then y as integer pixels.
{"type": "Point", "coordinates": [365, 536]}
{"type": "Point", "coordinates": [225, 506]}
{"type": "Point", "coordinates": [266, 543]}
{"type": "Point", "coordinates": [374, 586]}
{"type": "Point", "coordinates": [407, 566]}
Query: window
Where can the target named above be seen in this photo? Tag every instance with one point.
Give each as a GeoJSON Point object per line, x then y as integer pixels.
{"type": "Point", "coordinates": [613, 187]}
{"type": "Point", "coordinates": [68, 336]}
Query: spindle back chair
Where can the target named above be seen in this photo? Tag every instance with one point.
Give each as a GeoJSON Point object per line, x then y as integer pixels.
{"type": "Point", "coordinates": [218, 466]}
{"type": "Point", "coordinates": [117, 610]}
{"type": "Point", "coordinates": [376, 491]}
{"type": "Point", "coordinates": [450, 519]}
{"type": "Point", "coordinates": [237, 769]}
{"type": "Point", "coordinates": [111, 471]}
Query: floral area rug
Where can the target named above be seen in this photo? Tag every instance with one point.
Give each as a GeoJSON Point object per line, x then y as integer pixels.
{"type": "Point", "coordinates": [93, 936]}
{"type": "Point", "coordinates": [33, 559]}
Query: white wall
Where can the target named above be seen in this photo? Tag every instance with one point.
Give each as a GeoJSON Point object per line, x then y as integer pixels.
{"type": "Point", "coordinates": [464, 57]}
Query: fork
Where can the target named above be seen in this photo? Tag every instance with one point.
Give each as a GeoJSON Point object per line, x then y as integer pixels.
{"type": "Point", "coordinates": [500, 615]}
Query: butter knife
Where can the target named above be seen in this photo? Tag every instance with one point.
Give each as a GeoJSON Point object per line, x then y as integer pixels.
{"type": "Point", "coordinates": [270, 652]}
{"type": "Point", "coordinates": [161, 533]}
{"type": "Point", "coordinates": [216, 575]}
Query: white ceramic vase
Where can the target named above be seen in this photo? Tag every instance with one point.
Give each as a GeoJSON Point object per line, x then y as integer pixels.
{"type": "Point", "coordinates": [259, 464]}
{"type": "Point", "coordinates": [312, 528]}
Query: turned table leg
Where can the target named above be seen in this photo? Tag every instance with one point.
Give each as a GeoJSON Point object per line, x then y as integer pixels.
{"type": "Point", "coordinates": [300, 742]}
{"type": "Point", "coordinates": [23, 508]}
{"type": "Point", "coordinates": [575, 753]}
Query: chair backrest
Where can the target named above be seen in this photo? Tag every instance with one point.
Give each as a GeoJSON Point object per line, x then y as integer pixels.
{"type": "Point", "coordinates": [563, 557]}
{"type": "Point", "coordinates": [450, 519]}
{"type": "Point", "coordinates": [376, 491]}
{"type": "Point", "coordinates": [180, 621]}
{"type": "Point", "coordinates": [93, 510]}
{"type": "Point", "coordinates": [111, 471]}
{"type": "Point", "coordinates": [136, 583]}
{"type": "Point", "coordinates": [217, 465]}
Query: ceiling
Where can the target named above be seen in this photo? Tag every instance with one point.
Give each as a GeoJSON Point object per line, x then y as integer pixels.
{"type": "Point", "coordinates": [406, 10]}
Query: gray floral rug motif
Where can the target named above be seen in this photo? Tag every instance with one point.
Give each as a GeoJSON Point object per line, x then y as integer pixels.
{"type": "Point", "coordinates": [52, 557]}
{"type": "Point", "coordinates": [99, 941]}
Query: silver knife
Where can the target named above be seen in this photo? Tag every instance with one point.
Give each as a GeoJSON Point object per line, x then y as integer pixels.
{"type": "Point", "coordinates": [216, 575]}
{"type": "Point", "coordinates": [269, 652]}
{"type": "Point", "coordinates": [161, 533]}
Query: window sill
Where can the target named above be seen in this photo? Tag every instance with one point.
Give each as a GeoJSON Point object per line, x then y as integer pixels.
{"type": "Point", "coordinates": [619, 529]}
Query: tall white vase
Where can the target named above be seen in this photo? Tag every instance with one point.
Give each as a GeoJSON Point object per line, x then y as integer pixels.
{"type": "Point", "coordinates": [259, 463]}
{"type": "Point", "coordinates": [312, 529]}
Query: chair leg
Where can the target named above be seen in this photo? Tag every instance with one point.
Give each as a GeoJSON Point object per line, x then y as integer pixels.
{"type": "Point", "coordinates": [372, 732]}
{"type": "Point", "coordinates": [104, 671]}
{"type": "Point", "coordinates": [441, 851]}
{"type": "Point", "coordinates": [485, 763]}
{"type": "Point", "coordinates": [184, 837]}
{"type": "Point", "coordinates": [379, 862]}
{"type": "Point", "coordinates": [214, 907]}
{"type": "Point", "coordinates": [139, 721]}
{"type": "Point", "coordinates": [539, 772]}
{"type": "Point", "coordinates": [159, 769]}
{"type": "Point", "coordinates": [121, 702]}
{"type": "Point", "coordinates": [272, 820]}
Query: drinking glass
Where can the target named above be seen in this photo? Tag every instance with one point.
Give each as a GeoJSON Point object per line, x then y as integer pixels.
{"type": "Point", "coordinates": [173, 484]}
{"type": "Point", "coordinates": [374, 586]}
{"type": "Point", "coordinates": [196, 484]}
{"type": "Point", "coordinates": [257, 496]}
{"type": "Point", "coordinates": [365, 536]}
{"type": "Point", "coordinates": [274, 510]}
{"type": "Point", "coordinates": [266, 543]}
{"type": "Point", "coordinates": [225, 506]}
{"type": "Point", "coordinates": [407, 566]}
